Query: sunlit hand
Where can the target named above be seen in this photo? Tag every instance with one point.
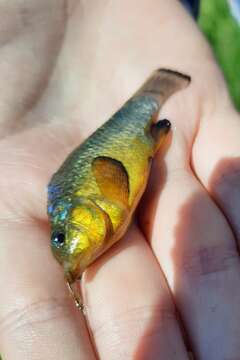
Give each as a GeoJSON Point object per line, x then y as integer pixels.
{"type": "Point", "coordinates": [65, 68]}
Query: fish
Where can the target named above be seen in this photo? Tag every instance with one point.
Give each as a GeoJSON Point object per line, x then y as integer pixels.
{"type": "Point", "coordinates": [94, 194]}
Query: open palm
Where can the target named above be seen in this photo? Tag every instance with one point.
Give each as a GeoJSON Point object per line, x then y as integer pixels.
{"type": "Point", "coordinates": [173, 283]}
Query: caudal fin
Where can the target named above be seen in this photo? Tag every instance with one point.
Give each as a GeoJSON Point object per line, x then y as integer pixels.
{"type": "Point", "coordinates": [163, 83]}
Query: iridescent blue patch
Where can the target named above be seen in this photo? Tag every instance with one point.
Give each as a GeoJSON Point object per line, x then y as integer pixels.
{"type": "Point", "coordinates": [59, 210]}
{"type": "Point", "coordinates": [50, 209]}
{"type": "Point", "coordinates": [53, 191]}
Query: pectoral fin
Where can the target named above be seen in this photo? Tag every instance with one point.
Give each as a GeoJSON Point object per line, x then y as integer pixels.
{"type": "Point", "coordinates": [112, 179]}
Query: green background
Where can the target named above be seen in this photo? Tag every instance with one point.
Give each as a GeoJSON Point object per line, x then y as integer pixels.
{"type": "Point", "coordinates": [223, 33]}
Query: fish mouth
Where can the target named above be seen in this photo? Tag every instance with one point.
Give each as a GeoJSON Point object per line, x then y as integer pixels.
{"type": "Point", "coordinates": [71, 275]}
{"type": "Point", "coordinates": [70, 278]}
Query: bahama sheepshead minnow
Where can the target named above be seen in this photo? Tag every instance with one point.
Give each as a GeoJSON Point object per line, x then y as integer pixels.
{"type": "Point", "coordinates": [93, 195]}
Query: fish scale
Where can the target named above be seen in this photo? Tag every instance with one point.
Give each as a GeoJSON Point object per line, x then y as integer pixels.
{"type": "Point", "coordinates": [92, 197]}
{"type": "Point", "coordinates": [130, 122]}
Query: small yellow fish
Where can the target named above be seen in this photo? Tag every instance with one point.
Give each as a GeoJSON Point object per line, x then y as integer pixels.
{"type": "Point", "coordinates": [92, 197]}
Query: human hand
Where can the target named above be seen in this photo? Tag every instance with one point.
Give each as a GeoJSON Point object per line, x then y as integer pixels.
{"type": "Point", "coordinates": [65, 68]}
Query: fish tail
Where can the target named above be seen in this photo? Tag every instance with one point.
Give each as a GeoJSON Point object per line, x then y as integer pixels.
{"type": "Point", "coordinates": [162, 84]}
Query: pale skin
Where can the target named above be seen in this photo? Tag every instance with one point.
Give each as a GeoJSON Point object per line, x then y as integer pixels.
{"type": "Point", "coordinates": [65, 67]}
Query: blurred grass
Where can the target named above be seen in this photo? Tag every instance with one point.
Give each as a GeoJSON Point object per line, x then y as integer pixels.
{"type": "Point", "coordinates": [223, 33]}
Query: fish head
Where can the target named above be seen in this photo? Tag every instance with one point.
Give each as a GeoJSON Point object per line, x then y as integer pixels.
{"type": "Point", "coordinates": [78, 240]}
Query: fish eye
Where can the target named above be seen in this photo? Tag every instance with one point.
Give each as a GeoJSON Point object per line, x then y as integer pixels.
{"type": "Point", "coordinates": [58, 239]}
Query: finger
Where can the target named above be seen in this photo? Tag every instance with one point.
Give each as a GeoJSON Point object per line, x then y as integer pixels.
{"type": "Point", "coordinates": [37, 317]}
{"type": "Point", "coordinates": [216, 160]}
{"type": "Point", "coordinates": [129, 309]}
{"type": "Point", "coordinates": [31, 35]}
{"type": "Point", "coordinates": [196, 250]}
{"type": "Point", "coordinates": [29, 163]}
{"type": "Point", "coordinates": [130, 52]}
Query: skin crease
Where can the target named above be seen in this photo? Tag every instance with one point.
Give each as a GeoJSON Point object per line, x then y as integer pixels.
{"type": "Point", "coordinates": [79, 63]}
